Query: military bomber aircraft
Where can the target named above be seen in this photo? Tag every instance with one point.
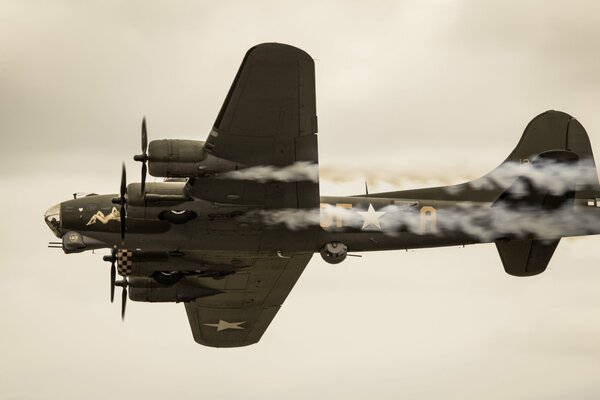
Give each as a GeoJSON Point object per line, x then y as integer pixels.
{"type": "Point", "coordinates": [230, 240]}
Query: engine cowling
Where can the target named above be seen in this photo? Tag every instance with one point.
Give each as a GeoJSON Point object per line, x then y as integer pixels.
{"type": "Point", "coordinates": [170, 192]}
{"type": "Point", "coordinates": [149, 290]}
{"type": "Point", "coordinates": [175, 158]}
{"type": "Point", "coordinates": [137, 262]}
{"type": "Point", "coordinates": [334, 252]}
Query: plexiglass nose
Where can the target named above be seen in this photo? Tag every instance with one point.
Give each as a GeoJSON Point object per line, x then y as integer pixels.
{"type": "Point", "coordinates": [52, 218]}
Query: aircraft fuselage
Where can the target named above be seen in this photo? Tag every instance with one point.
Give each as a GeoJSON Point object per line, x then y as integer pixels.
{"type": "Point", "coordinates": [362, 223]}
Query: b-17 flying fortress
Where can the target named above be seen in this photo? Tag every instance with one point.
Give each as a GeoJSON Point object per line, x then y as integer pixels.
{"type": "Point", "coordinates": [239, 216]}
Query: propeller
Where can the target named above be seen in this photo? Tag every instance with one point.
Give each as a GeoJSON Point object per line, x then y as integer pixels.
{"type": "Point", "coordinates": [123, 283]}
{"type": "Point", "coordinates": [143, 158]}
{"type": "Point", "coordinates": [122, 200]}
{"type": "Point", "coordinates": [112, 258]}
{"type": "Point", "coordinates": [113, 271]}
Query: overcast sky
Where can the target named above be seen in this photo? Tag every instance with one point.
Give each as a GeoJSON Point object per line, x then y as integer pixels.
{"type": "Point", "coordinates": [413, 88]}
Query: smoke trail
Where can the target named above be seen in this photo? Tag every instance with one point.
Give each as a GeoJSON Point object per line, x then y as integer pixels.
{"type": "Point", "coordinates": [547, 175]}
{"type": "Point", "coordinates": [482, 223]}
{"type": "Point", "coordinates": [299, 171]}
{"type": "Point", "coordinates": [308, 171]}
{"type": "Point", "coordinates": [402, 178]}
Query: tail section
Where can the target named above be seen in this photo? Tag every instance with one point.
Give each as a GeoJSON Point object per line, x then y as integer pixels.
{"type": "Point", "coordinates": [552, 130]}
{"type": "Point", "coordinates": [526, 256]}
{"type": "Point", "coordinates": [526, 193]}
{"type": "Point", "coordinates": [553, 143]}
{"type": "Point", "coordinates": [553, 137]}
{"type": "Point", "coordinates": [555, 130]}
{"type": "Point", "coordinates": [548, 132]}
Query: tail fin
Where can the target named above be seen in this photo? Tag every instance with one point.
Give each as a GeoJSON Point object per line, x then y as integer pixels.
{"type": "Point", "coordinates": [558, 137]}
{"type": "Point", "coordinates": [551, 130]}
{"type": "Point", "coordinates": [556, 130]}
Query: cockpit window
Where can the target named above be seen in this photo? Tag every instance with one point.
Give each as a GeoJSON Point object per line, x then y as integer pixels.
{"type": "Point", "coordinates": [52, 218]}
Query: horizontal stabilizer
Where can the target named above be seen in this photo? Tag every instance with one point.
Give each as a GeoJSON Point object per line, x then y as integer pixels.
{"type": "Point", "coordinates": [526, 257]}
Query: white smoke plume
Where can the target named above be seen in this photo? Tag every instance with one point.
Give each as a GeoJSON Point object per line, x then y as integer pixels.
{"type": "Point", "coordinates": [401, 178]}
{"type": "Point", "coordinates": [481, 223]}
{"type": "Point", "coordinates": [478, 221]}
{"type": "Point", "coordinates": [556, 178]}
{"type": "Point", "coordinates": [299, 171]}
{"type": "Point", "coordinates": [308, 171]}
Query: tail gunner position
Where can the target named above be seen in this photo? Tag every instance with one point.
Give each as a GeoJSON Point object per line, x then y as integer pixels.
{"type": "Point", "coordinates": [229, 236]}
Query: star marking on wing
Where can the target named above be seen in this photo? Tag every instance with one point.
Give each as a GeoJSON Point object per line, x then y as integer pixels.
{"type": "Point", "coordinates": [224, 325]}
{"type": "Point", "coordinates": [371, 217]}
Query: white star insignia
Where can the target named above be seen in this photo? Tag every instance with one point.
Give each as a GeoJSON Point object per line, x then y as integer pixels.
{"type": "Point", "coordinates": [371, 217]}
{"type": "Point", "coordinates": [223, 325]}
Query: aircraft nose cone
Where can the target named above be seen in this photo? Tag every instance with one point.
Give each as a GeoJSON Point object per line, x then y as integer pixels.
{"type": "Point", "coordinates": [52, 219]}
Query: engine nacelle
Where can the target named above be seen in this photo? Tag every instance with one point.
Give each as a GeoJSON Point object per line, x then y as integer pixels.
{"type": "Point", "coordinates": [149, 290]}
{"type": "Point", "coordinates": [175, 158]}
{"type": "Point", "coordinates": [334, 252]}
{"type": "Point", "coordinates": [145, 263]}
{"type": "Point", "coordinates": [155, 192]}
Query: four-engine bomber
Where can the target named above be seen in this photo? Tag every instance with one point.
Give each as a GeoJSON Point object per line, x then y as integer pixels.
{"type": "Point", "coordinates": [239, 216]}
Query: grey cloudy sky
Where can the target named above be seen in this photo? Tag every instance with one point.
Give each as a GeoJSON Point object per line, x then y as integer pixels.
{"type": "Point", "coordinates": [418, 88]}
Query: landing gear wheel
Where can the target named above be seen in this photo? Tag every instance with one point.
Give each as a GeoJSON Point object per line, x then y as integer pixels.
{"type": "Point", "coordinates": [334, 252]}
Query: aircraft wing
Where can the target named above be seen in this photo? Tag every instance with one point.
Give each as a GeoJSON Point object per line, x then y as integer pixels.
{"type": "Point", "coordinates": [248, 302]}
{"type": "Point", "coordinates": [268, 119]}
{"type": "Point", "coordinates": [269, 115]}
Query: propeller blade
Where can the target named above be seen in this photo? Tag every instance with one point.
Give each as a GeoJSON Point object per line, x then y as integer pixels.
{"type": "Point", "coordinates": [143, 158]}
{"type": "Point", "coordinates": [123, 202]}
{"type": "Point", "coordinates": [144, 170]}
{"type": "Point", "coordinates": [123, 302]}
{"type": "Point", "coordinates": [113, 272]}
{"type": "Point", "coordinates": [123, 220]}
{"type": "Point", "coordinates": [123, 182]}
{"type": "Point", "coordinates": [144, 137]}
{"type": "Point", "coordinates": [113, 276]}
